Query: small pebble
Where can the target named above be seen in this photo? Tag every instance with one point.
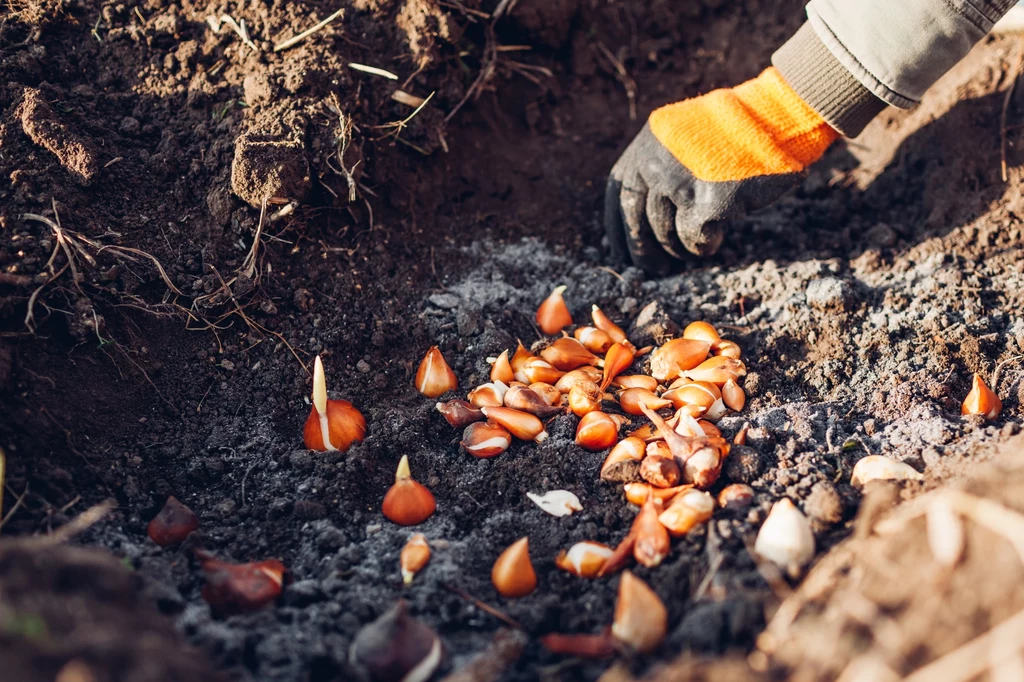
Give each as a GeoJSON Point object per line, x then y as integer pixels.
{"type": "Point", "coordinates": [444, 301]}
{"type": "Point", "coordinates": [828, 293]}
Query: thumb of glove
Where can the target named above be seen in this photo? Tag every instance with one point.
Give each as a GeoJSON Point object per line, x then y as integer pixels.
{"type": "Point", "coordinates": [703, 239]}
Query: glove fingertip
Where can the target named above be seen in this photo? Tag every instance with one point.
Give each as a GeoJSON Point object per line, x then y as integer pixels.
{"type": "Point", "coordinates": [704, 239]}
{"type": "Point", "coordinates": [613, 225]}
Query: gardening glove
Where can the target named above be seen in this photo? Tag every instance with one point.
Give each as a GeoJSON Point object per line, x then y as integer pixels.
{"type": "Point", "coordinates": [700, 162]}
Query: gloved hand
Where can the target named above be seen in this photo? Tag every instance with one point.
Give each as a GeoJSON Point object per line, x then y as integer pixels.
{"type": "Point", "coordinates": [700, 162]}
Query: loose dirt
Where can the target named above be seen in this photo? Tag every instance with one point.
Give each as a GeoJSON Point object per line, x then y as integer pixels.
{"type": "Point", "coordinates": [150, 348]}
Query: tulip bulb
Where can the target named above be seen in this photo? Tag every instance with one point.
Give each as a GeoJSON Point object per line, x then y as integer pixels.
{"type": "Point", "coordinates": [459, 413]}
{"type": "Point", "coordinates": [547, 392]}
{"type": "Point", "coordinates": [593, 339]}
{"type": "Point", "coordinates": [584, 559]}
{"type": "Point", "coordinates": [567, 354]}
{"type": "Point", "coordinates": [519, 358]}
{"type": "Point", "coordinates": [702, 394]}
{"type": "Point", "coordinates": [173, 524]}
{"type": "Point", "coordinates": [408, 502]}
{"type": "Point", "coordinates": [631, 399]}
{"type": "Point", "coordinates": [414, 557]}
{"type": "Point", "coordinates": [625, 381]}
{"type": "Point", "coordinates": [687, 426]}
{"type": "Point", "coordinates": [703, 467]}
{"type": "Point", "coordinates": [621, 555]}
{"type": "Point", "coordinates": [660, 471]}
{"type": "Point", "coordinates": [538, 369]}
{"type": "Point", "coordinates": [332, 424]}
{"type": "Point", "coordinates": [658, 448]}
{"type": "Point", "coordinates": [652, 540]}
{"type": "Point", "coordinates": [686, 511]}
{"type": "Point", "coordinates": [729, 349]}
{"type": "Point", "coordinates": [585, 646]}
{"type": "Point", "coordinates": [785, 538]}
{"type": "Point", "coordinates": [396, 647]}
{"type": "Point", "coordinates": [434, 377]}
{"type": "Point", "coordinates": [501, 370]}
{"type": "Point", "coordinates": [879, 468]}
{"type": "Point", "coordinates": [679, 445]}
{"type": "Point", "coordinates": [641, 619]}
{"type": "Point", "coordinates": [717, 370]}
{"type": "Point", "coordinates": [488, 395]}
{"type": "Point", "coordinates": [522, 425]}
{"type": "Point", "coordinates": [525, 399]}
{"type": "Point", "coordinates": [709, 429]}
{"type": "Point", "coordinates": [580, 646]}
{"type": "Point", "coordinates": [240, 588]}
{"type": "Point", "coordinates": [637, 493]}
{"type": "Point", "coordinates": [513, 575]}
{"type": "Point", "coordinates": [623, 462]}
{"type": "Point", "coordinates": [677, 356]}
{"type": "Point", "coordinates": [981, 400]}
{"type": "Point", "coordinates": [557, 502]}
{"type": "Point", "coordinates": [733, 396]}
{"type": "Point", "coordinates": [485, 439]}
{"type": "Point", "coordinates": [597, 431]}
{"type": "Point", "coordinates": [717, 410]}
{"type": "Point", "coordinates": [616, 361]}
{"type": "Point", "coordinates": [736, 496]}
{"type": "Point", "coordinates": [584, 398]}
{"type": "Point", "coordinates": [605, 324]}
{"type": "Point", "coordinates": [553, 315]}
{"type": "Point", "coordinates": [583, 374]}
{"type": "Point", "coordinates": [701, 331]}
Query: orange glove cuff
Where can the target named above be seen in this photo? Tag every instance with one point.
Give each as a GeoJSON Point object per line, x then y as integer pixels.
{"type": "Point", "coordinates": [761, 127]}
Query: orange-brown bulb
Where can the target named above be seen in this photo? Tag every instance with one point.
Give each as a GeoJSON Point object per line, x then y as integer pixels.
{"type": "Point", "coordinates": [981, 400]}
{"type": "Point", "coordinates": [597, 431]}
{"type": "Point", "coordinates": [513, 575]}
{"type": "Point", "coordinates": [408, 502]}
{"type": "Point", "coordinates": [434, 377]}
{"type": "Point", "coordinates": [553, 315]}
{"type": "Point", "coordinates": [345, 426]}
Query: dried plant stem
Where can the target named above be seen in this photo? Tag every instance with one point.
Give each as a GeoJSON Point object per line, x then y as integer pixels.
{"type": "Point", "coordinates": [249, 264]}
{"type": "Point", "coordinates": [124, 250]}
{"type": "Point", "coordinates": [483, 606]}
{"type": "Point", "coordinates": [622, 75]}
{"type": "Point", "coordinates": [17, 505]}
{"type": "Point", "coordinates": [237, 26]}
{"type": "Point", "coordinates": [291, 42]}
{"type": "Point", "coordinates": [79, 524]}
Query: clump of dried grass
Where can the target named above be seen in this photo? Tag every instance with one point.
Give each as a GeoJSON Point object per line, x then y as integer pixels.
{"type": "Point", "coordinates": [38, 13]}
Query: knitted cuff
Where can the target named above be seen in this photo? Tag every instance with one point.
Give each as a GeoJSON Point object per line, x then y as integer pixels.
{"type": "Point", "coordinates": [825, 84]}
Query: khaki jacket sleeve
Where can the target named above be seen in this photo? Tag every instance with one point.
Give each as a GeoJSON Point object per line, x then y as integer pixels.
{"type": "Point", "coordinates": [852, 58]}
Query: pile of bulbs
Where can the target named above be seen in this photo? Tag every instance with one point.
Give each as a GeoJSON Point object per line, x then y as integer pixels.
{"type": "Point", "coordinates": [666, 464]}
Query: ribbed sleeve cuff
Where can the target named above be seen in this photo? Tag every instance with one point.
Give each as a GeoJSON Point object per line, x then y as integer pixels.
{"type": "Point", "coordinates": [808, 66]}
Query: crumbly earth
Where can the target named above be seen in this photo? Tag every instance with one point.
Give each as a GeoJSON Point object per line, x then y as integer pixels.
{"type": "Point", "coordinates": [149, 348]}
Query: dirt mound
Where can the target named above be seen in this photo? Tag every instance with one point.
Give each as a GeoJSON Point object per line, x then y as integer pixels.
{"type": "Point", "coordinates": [76, 614]}
{"type": "Point", "coordinates": [157, 323]}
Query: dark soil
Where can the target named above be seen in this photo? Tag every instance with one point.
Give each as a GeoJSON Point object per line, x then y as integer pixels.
{"type": "Point", "coordinates": [142, 355]}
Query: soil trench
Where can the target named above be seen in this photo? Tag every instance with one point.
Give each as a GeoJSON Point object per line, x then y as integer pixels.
{"type": "Point", "coordinates": [151, 345]}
